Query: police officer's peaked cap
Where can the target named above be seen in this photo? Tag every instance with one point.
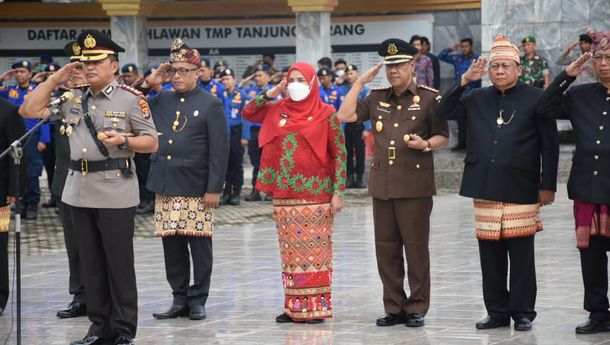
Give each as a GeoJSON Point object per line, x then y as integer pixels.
{"type": "Point", "coordinates": [73, 50]}
{"type": "Point", "coordinates": [395, 51]}
{"type": "Point", "coordinates": [97, 46]}
{"type": "Point", "coordinates": [22, 64]}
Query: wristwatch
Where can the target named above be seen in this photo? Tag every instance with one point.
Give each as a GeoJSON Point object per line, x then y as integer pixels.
{"type": "Point", "coordinates": [265, 97]}
{"type": "Point", "coordinates": [428, 148]}
{"type": "Point", "coordinates": [123, 146]}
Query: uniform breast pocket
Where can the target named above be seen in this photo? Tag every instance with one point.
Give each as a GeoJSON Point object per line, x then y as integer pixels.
{"type": "Point", "coordinates": [119, 124]}
{"type": "Point", "coordinates": [416, 121]}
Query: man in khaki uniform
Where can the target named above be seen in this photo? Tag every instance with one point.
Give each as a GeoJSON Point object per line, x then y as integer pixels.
{"type": "Point", "coordinates": [401, 182]}
{"type": "Point", "coordinates": [105, 129]}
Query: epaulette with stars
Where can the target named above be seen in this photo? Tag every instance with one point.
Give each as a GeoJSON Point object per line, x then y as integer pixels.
{"type": "Point", "coordinates": [426, 87]}
{"type": "Point", "coordinates": [131, 89]}
{"type": "Point", "coordinates": [380, 88]}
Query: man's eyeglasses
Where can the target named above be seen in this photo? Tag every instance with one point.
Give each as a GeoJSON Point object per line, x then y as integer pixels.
{"type": "Point", "coordinates": [600, 58]}
{"type": "Point", "coordinates": [181, 71]}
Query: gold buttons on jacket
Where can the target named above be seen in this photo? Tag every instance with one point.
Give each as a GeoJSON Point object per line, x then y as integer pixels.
{"type": "Point", "coordinates": [391, 162]}
{"type": "Point", "coordinates": [395, 124]}
{"type": "Point", "coordinates": [413, 118]}
{"type": "Point", "coordinates": [601, 128]}
{"type": "Point", "coordinates": [93, 107]}
{"type": "Point", "coordinates": [169, 157]}
{"type": "Point", "coordinates": [182, 100]}
{"type": "Point", "coordinates": [418, 166]}
{"type": "Point", "coordinates": [379, 126]}
{"type": "Point", "coordinates": [399, 107]}
{"type": "Point", "coordinates": [84, 150]}
{"type": "Point", "coordinates": [392, 142]}
{"type": "Point", "coordinates": [605, 113]}
{"type": "Point", "coordinates": [170, 141]}
{"type": "Point", "coordinates": [595, 173]}
{"type": "Point", "coordinates": [406, 138]}
{"type": "Point", "coordinates": [598, 142]}
{"type": "Point", "coordinates": [596, 157]}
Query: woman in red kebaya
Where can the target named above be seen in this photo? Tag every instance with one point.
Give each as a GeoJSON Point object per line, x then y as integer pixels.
{"type": "Point", "coordinates": [303, 168]}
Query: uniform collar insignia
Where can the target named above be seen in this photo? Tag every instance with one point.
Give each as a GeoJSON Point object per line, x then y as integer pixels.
{"type": "Point", "coordinates": [109, 89]}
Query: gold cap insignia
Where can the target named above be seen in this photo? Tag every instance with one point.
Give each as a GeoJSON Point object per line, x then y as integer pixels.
{"type": "Point", "coordinates": [90, 42]}
{"type": "Point", "coordinates": [392, 49]}
{"type": "Point", "coordinates": [130, 68]}
{"type": "Point", "coordinates": [228, 72]}
{"type": "Point", "coordinates": [76, 49]}
{"type": "Point", "coordinates": [24, 64]}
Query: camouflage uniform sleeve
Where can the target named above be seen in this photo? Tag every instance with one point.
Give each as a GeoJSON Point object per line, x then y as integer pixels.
{"type": "Point", "coordinates": [140, 119]}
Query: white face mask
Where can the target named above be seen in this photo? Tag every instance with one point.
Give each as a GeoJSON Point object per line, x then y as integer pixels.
{"type": "Point", "coordinates": [298, 91]}
{"type": "Point", "coordinates": [339, 72]}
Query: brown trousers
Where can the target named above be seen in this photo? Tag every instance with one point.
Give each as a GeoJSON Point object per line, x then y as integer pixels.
{"type": "Point", "coordinates": [403, 224]}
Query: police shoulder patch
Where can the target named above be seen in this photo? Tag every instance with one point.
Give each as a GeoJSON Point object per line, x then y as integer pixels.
{"type": "Point", "coordinates": [131, 89]}
{"type": "Point", "coordinates": [144, 107]}
{"type": "Point", "coordinates": [426, 87]}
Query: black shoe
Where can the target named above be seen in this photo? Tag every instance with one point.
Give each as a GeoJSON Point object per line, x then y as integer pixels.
{"type": "Point", "coordinates": [31, 212]}
{"type": "Point", "coordinates": [235, 197]}
{"type": "Point", "coordinates": [197, 313]}
{"type": "Point", "coordinates": [349, 181]}
{"type": "Point", "coordinates": [75, 309]}
{"type": "Point", "coordinates": [415, 320]}
{"type": "Point", "coordinates": [592, 326]}
{"type": "Point", "coordinates": [283, 318]}
{"type": "Point", "coordinates": [268, 198]}
{"type": "Point", "coordinates": [90, 340]}
{"type": "Point", "coordinates": [254, 196]}
{"type": "Point", "coordinates": [124, 339]}
{"type": "Point", "coordinates": [390, 320]}
{"type": "Point", "coordinates": [226, 196]}
{"type": "Point", "coordinates": [359, 182]}
{"type": "Point", "coordinates": [147, 208]}
{"type": "Point", "coordinates": [523, 324]}
{"type": "Point", "coordinates": [490, 322]}
{"type": "Point", "coordinates": [173, 312]}
{"type": "Point", "coordinates": [51, 203]}
{"type": "Point", "coordinates": [314, 321]}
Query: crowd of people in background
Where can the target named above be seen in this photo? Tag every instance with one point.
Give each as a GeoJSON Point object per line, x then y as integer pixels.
{"type": "Point", "coordinates": [336, 78]}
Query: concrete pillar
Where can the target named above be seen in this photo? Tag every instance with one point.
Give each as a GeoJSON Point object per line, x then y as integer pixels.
{"type": "Point", "coordinates": [129, 28]}
{"type": "Point", "coordinates": [130, 32]}
{"type": "Point", "coordinates": [312, 28]}
{"type": "Point", "coordinates": [313, 36]}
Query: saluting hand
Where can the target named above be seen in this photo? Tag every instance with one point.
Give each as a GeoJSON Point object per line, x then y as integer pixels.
{"type": "Point", "coordinates": [63, 74]}
{"type": "Point", "coordinates": [576, 67]}
{"type": "Point", "coordinates": [277, 90]}
{"type": "Point", "coordinates": [475, 72]}
{"type": "Point", "coordinates": [158, 75]}
{"type": "Point", "coordinates": [6, 76]}
{"type": "Point", "coordinates": [370, 75]}
{"type": "Point", "coordinates": [211, 200]}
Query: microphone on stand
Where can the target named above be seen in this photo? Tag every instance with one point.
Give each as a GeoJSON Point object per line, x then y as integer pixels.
{"type": "Point", "coordinates": [65, 97]}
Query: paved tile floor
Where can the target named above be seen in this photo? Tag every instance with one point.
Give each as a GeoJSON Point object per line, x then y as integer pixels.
{"type": "Point", "coordinates": [246, 290]}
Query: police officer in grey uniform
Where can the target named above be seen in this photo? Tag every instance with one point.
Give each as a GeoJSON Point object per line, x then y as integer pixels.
{"type": "Point", "coordinates": [105, 129]}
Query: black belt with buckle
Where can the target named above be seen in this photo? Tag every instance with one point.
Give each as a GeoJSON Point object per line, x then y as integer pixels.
{"type": "Point", "coordinates": [85, 166]}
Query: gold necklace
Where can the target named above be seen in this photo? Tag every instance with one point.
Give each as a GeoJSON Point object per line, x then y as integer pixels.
{"type": "Point", "coordinates": [500, 120]}
{"type": "Point", "coordinates": [177, 122]}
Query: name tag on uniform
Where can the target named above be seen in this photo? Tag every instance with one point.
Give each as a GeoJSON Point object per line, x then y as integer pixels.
{"type": "Point", "coordinates": [75, 109]}
{"type": "Point", "coordinates": [385, 110]}
{"type": "Point", "coordinates": [116, 114]}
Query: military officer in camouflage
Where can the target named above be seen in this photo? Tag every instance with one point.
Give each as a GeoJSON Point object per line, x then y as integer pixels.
{"type": "Point", "coordinates": [401, 182]}
{"type": "Point", "coordinates": [535, 68]}
{"type": "Point", "coordinates": [105, 129]}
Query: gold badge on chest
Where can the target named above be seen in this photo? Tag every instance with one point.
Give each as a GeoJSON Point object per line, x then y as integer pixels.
{"type": "Point", "coordinates": [415, 105]}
